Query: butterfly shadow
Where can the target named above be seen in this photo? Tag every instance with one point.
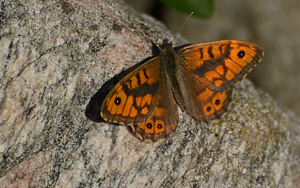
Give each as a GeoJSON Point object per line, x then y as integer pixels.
{"type": "Point", "coordinates": [94, 107]}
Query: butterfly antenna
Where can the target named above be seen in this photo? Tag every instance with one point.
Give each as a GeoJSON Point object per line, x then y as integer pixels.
{"type": "Point", "coordinates": [183, 25]}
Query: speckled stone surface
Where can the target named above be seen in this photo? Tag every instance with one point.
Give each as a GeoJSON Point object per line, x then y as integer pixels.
{"type": "Point", "coordinates": [54, 58]}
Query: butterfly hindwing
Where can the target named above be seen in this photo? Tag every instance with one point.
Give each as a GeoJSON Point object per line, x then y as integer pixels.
{"type": "Point", "coordinates": [164, 118]}
{"type": "Point", "coordinates": [198, 100]}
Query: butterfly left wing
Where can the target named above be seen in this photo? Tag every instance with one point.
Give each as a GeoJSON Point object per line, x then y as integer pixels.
{"type": "Point", "coordinates": [143, 100]}
{"type": "Point", "coordinates": [132, 100]}
{"type": "Point", "coordinates": [220, 65]}
{"type": "Point", "coordinates": [164, 118]}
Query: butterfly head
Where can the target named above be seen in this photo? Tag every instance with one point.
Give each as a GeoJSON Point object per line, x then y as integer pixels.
{"type": "Point", "coordinates": [166, 45]}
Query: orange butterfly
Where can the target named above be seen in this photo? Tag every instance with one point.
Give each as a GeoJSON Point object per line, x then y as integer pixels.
{"type": "Point", "coordinates": [199, 78]}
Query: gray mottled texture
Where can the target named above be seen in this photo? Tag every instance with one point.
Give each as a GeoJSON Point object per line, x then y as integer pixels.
{"type": "Point", "coordinates": [55, 55]}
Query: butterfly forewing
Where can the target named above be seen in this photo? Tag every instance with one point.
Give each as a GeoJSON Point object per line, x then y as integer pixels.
{"type": "Point", "coordinates": [220, 65]}
{"type": "Point", "coordinates": [131, 100]}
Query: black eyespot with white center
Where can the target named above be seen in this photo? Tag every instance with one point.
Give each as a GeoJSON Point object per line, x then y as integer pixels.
{"type": "Point", "coordinates": [217, 102]}
{"type": "Point", "coordinates": [208, 109]}
{"type": "Point", "coordinates": [149, 125]}
{"type": "Point", "coordinates": [118, 101]}
{"type": "Point", "coordinates": [159, 126]}
{"type": "Point", "coordinates": [241, 54]}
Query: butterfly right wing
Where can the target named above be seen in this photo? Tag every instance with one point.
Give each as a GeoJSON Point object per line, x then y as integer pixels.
{"type": "Point", "coordinates": [198, 100]}
{"type": "Point", "coordinates": [207, 72]}
{"type": "Point", "coordinates": [220, 65]}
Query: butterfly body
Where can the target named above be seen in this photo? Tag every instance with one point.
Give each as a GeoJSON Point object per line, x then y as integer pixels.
{"type": "Point", "coordinates": [199, 78]}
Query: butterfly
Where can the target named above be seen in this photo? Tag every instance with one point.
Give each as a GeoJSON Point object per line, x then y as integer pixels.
{"type": "Point", "coordinates": [199, 78]}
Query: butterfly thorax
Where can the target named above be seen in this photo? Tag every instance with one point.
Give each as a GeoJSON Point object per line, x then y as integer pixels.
{"type": "Point", "coordinates": [167, 59]}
